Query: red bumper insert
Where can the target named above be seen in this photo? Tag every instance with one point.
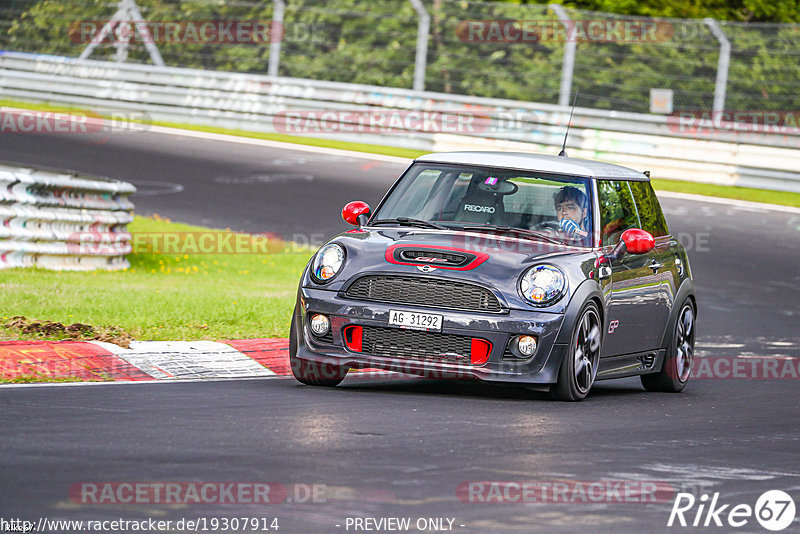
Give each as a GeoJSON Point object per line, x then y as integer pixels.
{"type": "Point", "coordinates": [480, 349]}
{"type": "Point", "coordinates": [352, 338]}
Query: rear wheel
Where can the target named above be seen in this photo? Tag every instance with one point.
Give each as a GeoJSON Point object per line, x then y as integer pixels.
{"type": "Point", "coordinates": [680, 354]}
{"type": "Point", "coordinates": [579, 368]}
{"type": "Point", "coordinates": [308, 372]}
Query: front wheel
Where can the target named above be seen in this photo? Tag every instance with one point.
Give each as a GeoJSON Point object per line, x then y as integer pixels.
{"type": "Point", "coordinates": [680, 354]}
{"type": "Point", "coordinates": [308, 372]}
{"type": "Point", "coordinates": [579, 368]}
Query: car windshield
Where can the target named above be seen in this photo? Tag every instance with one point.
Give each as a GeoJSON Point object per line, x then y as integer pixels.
{"type": "Point", "coordinates": [527, 204]}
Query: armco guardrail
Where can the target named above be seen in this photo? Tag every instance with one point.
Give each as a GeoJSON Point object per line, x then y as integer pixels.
{"type": "Point", "coordinates": [63, 221]}
{"type": "Point", "coordinates": [261, 103]}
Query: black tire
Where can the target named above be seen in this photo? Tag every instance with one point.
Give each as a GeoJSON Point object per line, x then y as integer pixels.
{"type": "Point", "coordinates": [308, 372]}
{"type": "Point", "coordinates": [579, 368]}
{"type": "Point", "coordinates": [680, 354]}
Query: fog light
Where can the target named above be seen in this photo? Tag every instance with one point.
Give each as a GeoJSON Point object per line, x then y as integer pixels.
{"type": "Point", "coordinates": [523, 346]}
{"type": "Point", "coordinates": [526, 345]}
{"type": "Point", "coordinates": [320, 325]}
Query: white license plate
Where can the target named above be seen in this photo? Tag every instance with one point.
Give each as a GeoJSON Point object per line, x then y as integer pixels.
{"type": "Point", "coordinates": [416, 321]}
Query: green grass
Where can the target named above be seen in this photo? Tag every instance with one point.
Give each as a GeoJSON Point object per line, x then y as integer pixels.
{"type": "Point", "coordinates": [740, 193]}
{"type": "Point", "coordinates": [38, 106]}
{"type": "Point", "coordinates": [722, 191]}
{"type": "Point", "coordinates": [164, 296]}
{"type": "Point", "coordinates": [39, 378]}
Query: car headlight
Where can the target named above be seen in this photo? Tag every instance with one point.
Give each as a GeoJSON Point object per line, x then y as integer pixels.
{"type": "Point", "coordinates": [327, 262]}
{"type": "Point", "coordinates": [543, 285]}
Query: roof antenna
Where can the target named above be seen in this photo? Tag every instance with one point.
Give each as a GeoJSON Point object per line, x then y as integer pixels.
{"type": "Point", "coordinates": [563, 152]}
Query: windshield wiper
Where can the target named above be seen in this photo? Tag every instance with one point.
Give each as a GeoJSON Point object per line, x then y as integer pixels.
{"type": "Point", "coordinates": [405, 221]}
{"type": "Point", "coordinates": [512, 230]}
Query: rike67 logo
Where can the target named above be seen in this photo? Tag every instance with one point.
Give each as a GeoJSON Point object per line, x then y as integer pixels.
{"type": "Point", "coordinates": [774, 510]}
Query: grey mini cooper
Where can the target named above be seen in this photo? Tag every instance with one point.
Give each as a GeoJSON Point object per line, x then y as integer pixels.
{"type": "Point", "coordinates": [547, 271]}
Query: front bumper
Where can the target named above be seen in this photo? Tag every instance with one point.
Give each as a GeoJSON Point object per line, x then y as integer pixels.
{"type": "Point", "coordinates": [497, 328]}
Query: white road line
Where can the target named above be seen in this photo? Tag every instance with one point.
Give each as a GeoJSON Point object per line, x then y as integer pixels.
{"type": "Point", "coordinates": [277, 144]}
{"type": "Point", "coordinates": [137, 382]}
{"type": "Point", "coordinates": [709, 345]}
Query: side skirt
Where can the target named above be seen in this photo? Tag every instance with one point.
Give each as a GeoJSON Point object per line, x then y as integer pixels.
{"type": "Point", "coordinates": [639, 363]}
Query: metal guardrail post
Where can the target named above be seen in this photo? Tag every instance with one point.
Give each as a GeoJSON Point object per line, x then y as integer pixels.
{"type": "Point", "coordinates": [141, 27]}
{"type": "Point", "coordinates": [722, 66]}
{"type": "Point", "coordinates": [127, 11]}
{"type": "Point", "coordinates": [568, 66]}
{"type": "Point", "coordinates": [423, 28]}
{"type": "Point", "coordinates": [276, 36]}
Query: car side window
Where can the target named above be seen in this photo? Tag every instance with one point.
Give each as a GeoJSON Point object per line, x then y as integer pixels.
{"type": "Point", "coordinates": [617, 210]}
{"type": "Point", "coordinates": [649, 209]}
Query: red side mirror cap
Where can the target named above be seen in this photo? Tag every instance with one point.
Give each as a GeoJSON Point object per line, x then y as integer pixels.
{"type": "Point", "coordinates": [352, 211]}
{"type": "Point", "coordinates": [638, 241]}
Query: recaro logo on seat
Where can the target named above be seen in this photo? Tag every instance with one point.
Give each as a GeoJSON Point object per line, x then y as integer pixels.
{"type": "Point", "coordinates": [473, 207]}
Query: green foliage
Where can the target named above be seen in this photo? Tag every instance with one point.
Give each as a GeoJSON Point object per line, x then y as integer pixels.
{"type": "Point", "coordinates": [733, 10]}
{"type": "Point", "coordinates": [373, 42]}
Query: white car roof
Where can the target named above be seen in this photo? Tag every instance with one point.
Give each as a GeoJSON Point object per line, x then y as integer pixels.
{"type": "Point", "coordinates": [536, 162]}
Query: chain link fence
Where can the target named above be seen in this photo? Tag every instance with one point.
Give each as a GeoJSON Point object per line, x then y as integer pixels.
{"type": "Point", "coordinates": [535, 53]}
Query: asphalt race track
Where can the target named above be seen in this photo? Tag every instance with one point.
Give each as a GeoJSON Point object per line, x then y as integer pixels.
{"type": "Point", "coordinates": [402, 448]}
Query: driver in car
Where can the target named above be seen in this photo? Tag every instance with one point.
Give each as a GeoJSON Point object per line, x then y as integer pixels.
{"type": "Point", "coordinates": [570, 203]}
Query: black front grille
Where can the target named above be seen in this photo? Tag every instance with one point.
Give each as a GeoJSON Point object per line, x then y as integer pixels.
{"type": "Point", "coordinates": [415, 345]}
{"type": "Point", "coordinates": [424, 292]}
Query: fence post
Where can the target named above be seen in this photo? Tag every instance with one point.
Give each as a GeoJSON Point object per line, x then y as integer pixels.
{"type": "Point", "coordinates": [568, 66]}
{"type": "Point", "coordinates": [276, 36]}
{"type": "Point", "coordinates": [127, 11]}
{"type": "Point", "coordinates": [722, 66]}
{"type": "Point", "coordinates": [422, 45]}
{"type": "Point", "coordinates": [141, 28]}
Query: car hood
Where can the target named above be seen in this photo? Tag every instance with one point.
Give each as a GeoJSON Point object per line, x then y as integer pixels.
{"type": "Point", "coordinates": [493, 260]}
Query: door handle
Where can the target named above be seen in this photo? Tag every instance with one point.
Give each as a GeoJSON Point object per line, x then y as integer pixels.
{"type": "Point", "coordinates": [655, 265]}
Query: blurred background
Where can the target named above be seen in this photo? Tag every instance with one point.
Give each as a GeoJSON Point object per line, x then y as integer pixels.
{"type": "Point", "coordinates": [385, 42]}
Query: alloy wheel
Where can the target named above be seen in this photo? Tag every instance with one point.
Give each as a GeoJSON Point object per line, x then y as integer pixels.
{"type": "Point", "coordinates": [684, 343]}
{"type": "Point", "coordinates": [587, 351]}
